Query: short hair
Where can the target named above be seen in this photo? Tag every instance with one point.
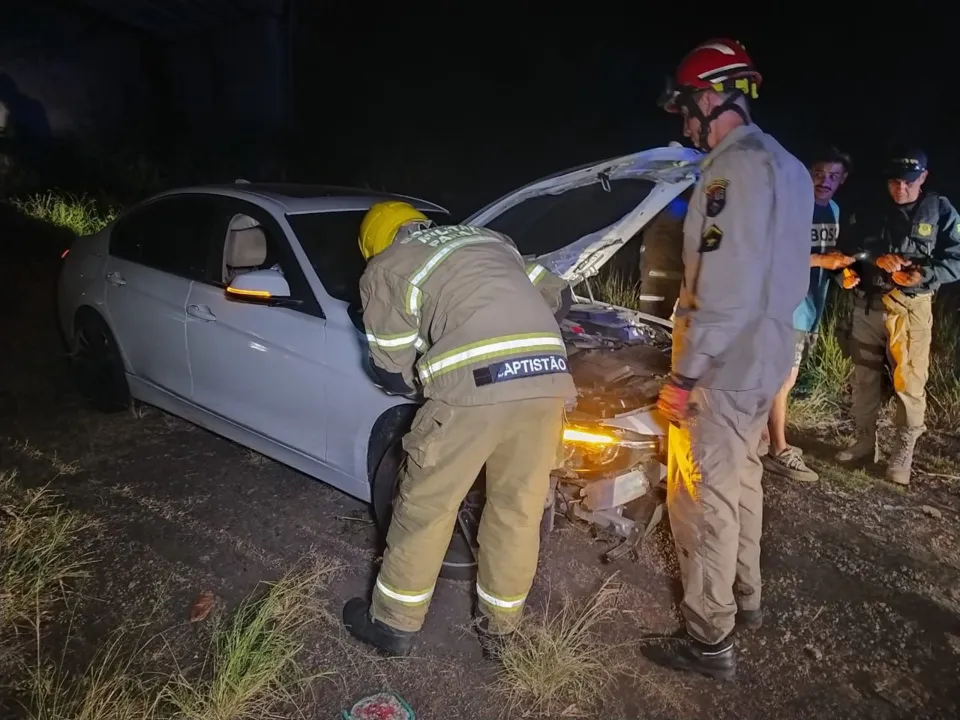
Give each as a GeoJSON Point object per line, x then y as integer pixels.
{"type": "Point", "coordinates": [832, 155]}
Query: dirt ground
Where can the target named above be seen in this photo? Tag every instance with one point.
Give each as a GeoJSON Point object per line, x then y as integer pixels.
{"type": "Point", "coordinates": [862, 581]}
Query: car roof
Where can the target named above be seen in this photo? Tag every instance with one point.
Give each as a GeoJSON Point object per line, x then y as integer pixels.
{"type": "Point", "coordinates": [297, 198]}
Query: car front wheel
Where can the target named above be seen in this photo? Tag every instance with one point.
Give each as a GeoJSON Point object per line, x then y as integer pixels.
{"type": "Point", "coordinates": [96, 364]}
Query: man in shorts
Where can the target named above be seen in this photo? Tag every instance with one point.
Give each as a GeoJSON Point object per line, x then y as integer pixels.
{"type": "Point", "coordinates": [828, 170]}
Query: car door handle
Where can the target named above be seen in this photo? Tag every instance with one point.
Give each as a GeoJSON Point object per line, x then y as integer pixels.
{"type": "Point", "coordinates": [115, 278]}
{"type": "Point", "coordinates": [200, 311]}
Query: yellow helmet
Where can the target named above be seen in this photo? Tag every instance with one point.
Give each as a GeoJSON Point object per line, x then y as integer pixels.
{"type": "Point", "coordinates": [381, 223]}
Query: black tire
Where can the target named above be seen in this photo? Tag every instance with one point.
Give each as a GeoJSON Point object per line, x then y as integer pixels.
{"type": "Point", "coordinates": [459, 562]}
{"type": "Point", "coordinates": [96, 364]}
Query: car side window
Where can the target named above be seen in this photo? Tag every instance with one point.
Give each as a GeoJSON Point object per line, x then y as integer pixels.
{"type": "Point", "coordinates": [171, 234]}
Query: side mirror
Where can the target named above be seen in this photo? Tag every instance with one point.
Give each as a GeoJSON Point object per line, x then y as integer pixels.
{"type": "Point", "coordinates": [260, 286]}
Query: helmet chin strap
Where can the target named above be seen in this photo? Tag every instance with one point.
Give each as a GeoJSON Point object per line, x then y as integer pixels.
{"type": "Point", "coordinates": [707, 120]}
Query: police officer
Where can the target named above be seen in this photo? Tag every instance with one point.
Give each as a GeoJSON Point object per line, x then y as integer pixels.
{"type": "Point", "coordinates": [453, 313]}
{"type": "Point", "coordinates": [911, 248]}
{"type": "Point", "coordinates": [746, 258]}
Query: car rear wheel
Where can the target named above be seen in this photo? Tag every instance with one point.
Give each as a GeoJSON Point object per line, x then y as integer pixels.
{"type": "Point", "coordinates": [96, 364]}
{"type": "Point", "coordinates": [459, 563]}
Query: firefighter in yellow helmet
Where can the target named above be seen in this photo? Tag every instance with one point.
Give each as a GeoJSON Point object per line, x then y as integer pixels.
{"type": "Point", "coordinates": [455, 314]}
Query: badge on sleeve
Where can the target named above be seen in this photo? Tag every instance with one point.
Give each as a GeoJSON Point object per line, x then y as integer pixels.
{"type": "Point", "coordinates": [716, 196]}
{"type": "Point", "coordinates": [924, 229]}
{"type": "Point", "coordinates": [711, 239]}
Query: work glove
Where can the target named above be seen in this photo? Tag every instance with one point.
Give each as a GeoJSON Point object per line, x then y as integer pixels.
{"type": "Point", "coordinates": [834, 261]}
{"type": "Point", "coordinates": [892, 263]}
{"type": "Point", "coordinates": [849, 280]}
{"type": "Point", "coordinates": [908, 278]}
{"type": "Point", "coordinates": [674, 400]}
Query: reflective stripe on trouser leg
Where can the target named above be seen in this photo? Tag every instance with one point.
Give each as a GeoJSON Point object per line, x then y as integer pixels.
{"type": "Point", "coordinates": [909, 325]}
{"type": "Point", "coordinates": [517, 483]}
{"type": "Point", "coordinates": [868, 343]}
{"type": "Point", "coordinates": [446, 448]}
{"type": "Point", "coordinates": [714, 550]}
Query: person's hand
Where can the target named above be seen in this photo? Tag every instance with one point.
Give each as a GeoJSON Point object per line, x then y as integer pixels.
{"type": "Point", "coordinates": [891, 263]}
{"type": "Point", "coordinates": [850, 279]}
{"type": "Point", "coordinates": [674, 399]}
{"type": "Point", "coordinates": [833, 260]}
{"type": "Point", "coordinates": [908, 278]}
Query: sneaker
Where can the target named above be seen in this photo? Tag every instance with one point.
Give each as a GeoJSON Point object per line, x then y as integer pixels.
{"type": "Point", "coordinates": [790, 465]}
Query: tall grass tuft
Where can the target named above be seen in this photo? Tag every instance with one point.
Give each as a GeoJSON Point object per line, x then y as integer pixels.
{"type": "Point", "coordinates": [80, 214]}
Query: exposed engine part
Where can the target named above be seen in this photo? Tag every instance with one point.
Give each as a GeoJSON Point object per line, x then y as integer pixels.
{"type": "Point", "coordinates": [611, 381]}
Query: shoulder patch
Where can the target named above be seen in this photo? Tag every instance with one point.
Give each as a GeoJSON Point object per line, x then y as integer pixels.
{"type": "Point", "coordinates": [711, 238]}
{"type": "Point", "coordinates": [716, 191]}
{"type": "Point", "coordinates": [924, 229]}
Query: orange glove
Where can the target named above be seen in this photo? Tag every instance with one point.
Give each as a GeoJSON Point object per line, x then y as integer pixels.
{"type": "Point", "coordinates": [907, 278]}
{"type": "Point", "coordinates": [834, 261]}
{"type": "Point", "coordinates": [675, 398]}
{"type": "Point", "coordinates": [891, 263]}
{"type": "Point", "coordinates": [850, 279]}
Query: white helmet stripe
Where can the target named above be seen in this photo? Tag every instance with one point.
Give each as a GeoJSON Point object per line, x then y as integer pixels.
{"type": "Point", "coordinates": [725, 49]}
{"type": "Point", "coordinates": [723, 69]}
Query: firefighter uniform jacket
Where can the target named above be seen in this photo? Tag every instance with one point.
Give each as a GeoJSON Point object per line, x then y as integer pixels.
{"type": "Point", "coordinates": [926, 232]}
{"type": "Point", "coordinates": [455, 311]}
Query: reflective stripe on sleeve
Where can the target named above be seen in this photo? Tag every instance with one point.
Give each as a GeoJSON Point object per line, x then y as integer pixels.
{"type": "Point", "coordinates": [407, 598]}
{"type": "Point", "coordinates": [513, 603]}
{"type": "Point", "coordinates": [393, 341]}
{"type": "Point", "coordinates": [486, 350]}
{"type": "Point", "coordinates": [535, 272]}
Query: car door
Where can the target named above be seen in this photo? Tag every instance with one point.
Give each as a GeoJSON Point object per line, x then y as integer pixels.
{"type": "Point", "coordinates": [257, 365]}
{"type": "Point", "coordinates": [155, 252]}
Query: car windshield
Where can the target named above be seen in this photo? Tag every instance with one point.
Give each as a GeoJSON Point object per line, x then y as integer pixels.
{"type": "Point", "coordinates": [546, 223]}
{"type": "Point", "coordinates": [330, 241]}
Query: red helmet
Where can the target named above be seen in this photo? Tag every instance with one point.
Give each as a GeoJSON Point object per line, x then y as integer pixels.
{"type": "Point", "coordinates": [720, 64]}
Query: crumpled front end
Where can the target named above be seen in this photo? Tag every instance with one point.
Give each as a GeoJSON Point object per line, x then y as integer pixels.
{"type": "Point", "coordinates": [614, 440]}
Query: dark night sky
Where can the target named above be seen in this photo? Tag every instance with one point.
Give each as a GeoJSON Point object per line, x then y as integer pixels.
{"type": "Point", "coordinates": [539, 92]}
{"type": "Point", "coordinates": [463, 105]}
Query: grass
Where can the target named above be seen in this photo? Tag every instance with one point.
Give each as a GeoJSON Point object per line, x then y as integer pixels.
{"type": "Point", "coordinates": [556, 664]}
{"type": "Point", "coordinates": [824, 378]}
{"type": "Point", "coordinates": [250, 671]}
{"type": "Point", "coordinates": [38, 552]}
{"type": "Point", "coordinates": [613, 287]}
{"type": "Point", "coordinates": [80, 214]}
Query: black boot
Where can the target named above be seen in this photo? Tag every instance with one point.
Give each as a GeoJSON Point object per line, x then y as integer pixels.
{"type": "Point", "coordinates": [682, 652]}
{"type": "Point", "coordinates": [490, 643]}
{"type": "Point", "coordinates": [356, 618]}
{"type": "Point", "coordinates": [750, 619]}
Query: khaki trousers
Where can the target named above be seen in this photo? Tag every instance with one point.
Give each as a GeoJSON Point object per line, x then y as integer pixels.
{"type": "Point", "coordinates": [715, 504]}
{"type": "Point", "coordinates": [900, 329]}
{"type": "Point", "coordinates": [446, 448]}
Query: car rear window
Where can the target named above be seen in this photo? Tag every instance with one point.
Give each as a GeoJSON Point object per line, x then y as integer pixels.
{"type": "Point", "coordinates": [549, 222]}
{"type": "Point", "coordinates": [330, 241]}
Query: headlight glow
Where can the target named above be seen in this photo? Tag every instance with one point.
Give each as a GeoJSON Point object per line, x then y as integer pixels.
{"type": "Point", "coordinates": [575, 435]}
{"type": "Point", "coordinates": [591, 450]}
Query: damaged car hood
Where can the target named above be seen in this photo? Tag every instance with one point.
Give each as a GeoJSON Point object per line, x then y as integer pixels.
{"type": "Point", "coordinates": [575, 221]}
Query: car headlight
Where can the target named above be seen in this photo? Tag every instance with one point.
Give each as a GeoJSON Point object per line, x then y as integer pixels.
{"type": "Point", "coordinates": [599, 449]}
